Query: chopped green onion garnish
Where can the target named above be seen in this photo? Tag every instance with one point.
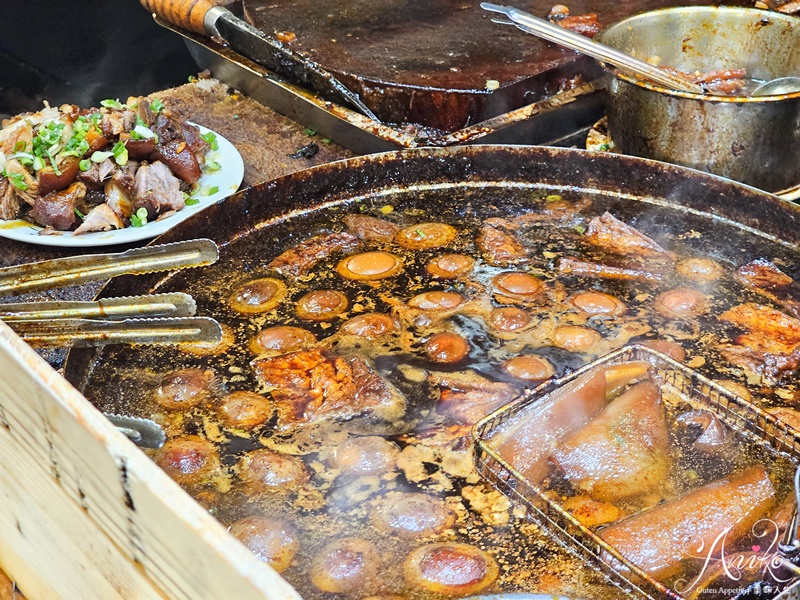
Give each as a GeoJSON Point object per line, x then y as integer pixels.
{"type": "Point", "coordinates": [325, 141]}
{"type": "Point", "coordinates": [212, 165]}
{"type": "Point", "coordinates": [85, 164]}
{"type": "Point", "coordinates": [47, 142]}
{"type": "Point", "coordinates": [20, 146]}
{"type": "Point", "coordinates": [192, 201]}
{"type": "Point", "coordinates": [580, 229]}
{"type": "Point", "coordinates": [38, 163]}
{"type": "Point", "coordinates": [156, 106]}
{"type": "Point", "coordinates": [143, 132]}
{"type": "Point", "coordinates": [139, 218]}
{"type": "Point", "coordinates": [109, 103]}
{"type": "Point", "coordinates": [98, 157]}
{"type": "Point", "coordinates": [213, 190]}
{"type": "Point", "coordinates": [80, 214]}
{"type": "Point", "coordinates": [17, 180]}
{"type": "Point", "coordinates": [120, 153]}
{"type": "Point", "coordinates": [420, 233]}
{"type": "Point", "coordinates": [309, 132]}
{"type": "Point", "coordinates": [52, 158]}
{"type": "Point", "coordinates": [553, 198]}
{"type": "Point", "coordinates": [211, 139]}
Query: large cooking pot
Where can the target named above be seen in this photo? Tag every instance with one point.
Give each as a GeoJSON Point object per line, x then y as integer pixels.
{"type": "Point", "coordinates": [463, 186]}
{"type": "Point", "coordinates": [748, 139]}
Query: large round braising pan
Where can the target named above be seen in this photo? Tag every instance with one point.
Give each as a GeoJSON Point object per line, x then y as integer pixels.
{"type": "Point", "coordinates": [645, 192]}
{"type": "Point", "coordinates": [754, 140]}
{"type": "Point", "coordinates": [731, 222]}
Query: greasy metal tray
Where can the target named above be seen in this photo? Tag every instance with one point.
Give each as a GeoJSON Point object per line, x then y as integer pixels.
{"type": "Point", "coordinates": [546, 122]}
{"type": "Point", "coordinates": [737, 413]}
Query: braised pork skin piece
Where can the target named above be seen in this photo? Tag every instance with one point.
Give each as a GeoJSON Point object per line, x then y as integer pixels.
{"type": "Point", "coordinates": [586, 25]}
{"type": "Point", "coordinates": [528, 440]}
{"type": "Point", "coordinates": [611, 234]}
{"type": "Point", "coordinates": [57, 209]}
{"type": "Point", "coordinates": [577, 267]}
{"type": "Point", "coordinates": [157, 190]}
{"type": "Point", "coordinates": [623, 451]}
{"type": "Point", "coordinates": [300, 259]}
{"type": "Point", "coordinates": [656, 539]}
{"type": "Point", "coordinates": [770, 346]}
{"type": "Point", "coordinates": [467, 398]}
{"type": "Point", "coordinates": [313, 385]}
{"type": "Point", "coordinates": [499, 248]}
{"type": "Point", "coordinates": [768, 280]}
{"type": "Point", "coordinates": [369, 228]}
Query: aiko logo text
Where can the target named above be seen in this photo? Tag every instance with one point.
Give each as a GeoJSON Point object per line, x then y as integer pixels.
{"type": "Point", "coordinates": [726, 563]}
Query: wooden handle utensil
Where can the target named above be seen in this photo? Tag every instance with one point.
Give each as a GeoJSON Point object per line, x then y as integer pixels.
{"type": "Point", "coordinates": [189, 14]}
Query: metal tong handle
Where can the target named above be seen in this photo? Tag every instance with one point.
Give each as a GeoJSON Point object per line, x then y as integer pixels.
{"type": "Point", "coordinates": [564, 37]}
{"type": "Point", "coordinates": [176, 304]}
{"type": "Point", "coordinates": [75, 270]}
{"type": "Point", "coordinates": [69, 333]}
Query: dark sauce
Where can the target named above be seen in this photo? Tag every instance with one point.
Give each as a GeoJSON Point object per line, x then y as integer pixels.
{"type": "Point", "coordinates": [331, 507]}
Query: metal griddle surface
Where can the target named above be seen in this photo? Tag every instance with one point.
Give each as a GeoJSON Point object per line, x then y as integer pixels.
{"type": "Point", "coordinates": [448, 45]}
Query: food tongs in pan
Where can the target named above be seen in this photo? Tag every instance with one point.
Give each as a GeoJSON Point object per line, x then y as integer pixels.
{"type": "Point", "coordinates": [153, 319]}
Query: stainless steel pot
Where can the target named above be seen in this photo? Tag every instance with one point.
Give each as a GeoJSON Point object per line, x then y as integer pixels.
{"type": "Point", "coordinates": [752, 140]}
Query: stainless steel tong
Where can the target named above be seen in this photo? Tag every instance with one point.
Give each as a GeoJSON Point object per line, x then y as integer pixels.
{"type": "Point", "coordinates": [564, 37]}
{"type": "Point", "coordinates": [74, 270]}
{"type": "Point", "coordinates": [156, 319]}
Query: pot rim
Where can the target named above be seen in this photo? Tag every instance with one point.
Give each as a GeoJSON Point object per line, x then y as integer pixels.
{"type": "Point", "coordinates": [631, 22]}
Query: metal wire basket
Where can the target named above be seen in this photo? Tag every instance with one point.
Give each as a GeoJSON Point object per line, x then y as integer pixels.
{"type": "Point", "coordinates": [756, 425]}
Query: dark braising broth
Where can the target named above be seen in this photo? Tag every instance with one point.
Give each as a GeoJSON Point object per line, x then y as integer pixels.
{"type": "Point", "coordinates": [350, 433]}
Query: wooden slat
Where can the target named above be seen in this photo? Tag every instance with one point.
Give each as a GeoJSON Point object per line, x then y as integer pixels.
{"type": "Point", "coordinates": [84, 510]}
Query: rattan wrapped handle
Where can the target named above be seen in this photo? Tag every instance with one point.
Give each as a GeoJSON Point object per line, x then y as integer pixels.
{"type": "Point", "coordinates": [188, 14]}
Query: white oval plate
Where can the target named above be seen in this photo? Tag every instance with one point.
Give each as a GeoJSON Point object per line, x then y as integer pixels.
{"type": "Point", "coordinates": [227, 179]}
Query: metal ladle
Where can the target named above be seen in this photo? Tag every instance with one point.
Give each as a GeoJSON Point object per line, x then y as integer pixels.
{"type": "Point", "coordinates": [777, 87]}
{"type": "Point", "coordinates": [564, 37]}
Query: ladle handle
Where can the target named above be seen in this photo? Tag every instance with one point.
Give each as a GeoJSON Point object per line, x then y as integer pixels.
{"type": "Point", "coordinates": [564, 37]}
{"type": "Point", "coordinates": [189, 14]}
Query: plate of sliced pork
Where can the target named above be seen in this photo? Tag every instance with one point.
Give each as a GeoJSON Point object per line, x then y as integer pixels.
{"type": "Point", "coordinates": [116, 174]}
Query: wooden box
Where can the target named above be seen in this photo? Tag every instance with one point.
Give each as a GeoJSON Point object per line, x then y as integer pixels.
{"type": "Point", "coordinates": [85, 514]}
